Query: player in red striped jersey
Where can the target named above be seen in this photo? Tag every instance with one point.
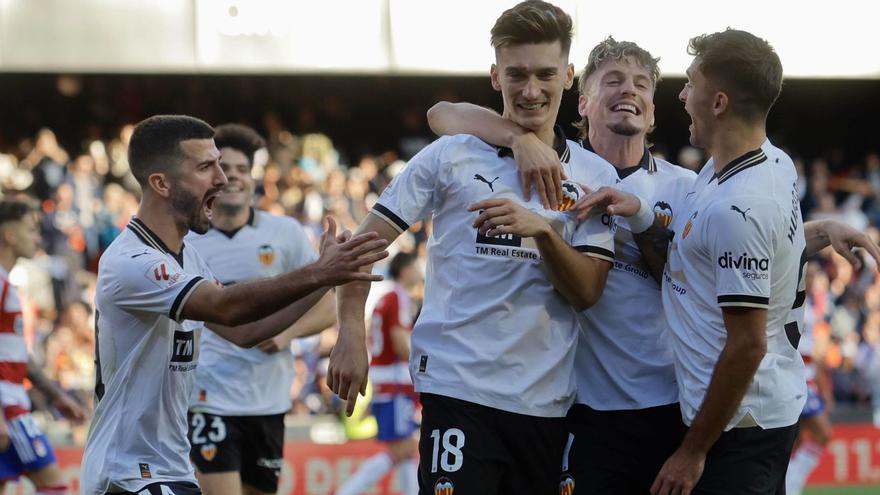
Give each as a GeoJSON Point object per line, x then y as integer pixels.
{"type": "Point", "coordinates": [24, 449]}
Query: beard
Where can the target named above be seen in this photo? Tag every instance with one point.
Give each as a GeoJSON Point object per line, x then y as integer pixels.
{"type": "Point", "coordinates": [189, 209]}
{"type": "Point", "coordinates": [624, 129]}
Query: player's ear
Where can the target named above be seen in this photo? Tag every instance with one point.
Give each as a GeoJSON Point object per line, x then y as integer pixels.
{"type": "Point", "coordinates": [493, 75]}
{"type": "Point", "coordinates": [720, 103]}
{"type": "Point", "coordinates": [569, 76]}
{"type": "Point", "coordinates": [160, 184]}
{"type": "Point", "coordinates": [582, 105]}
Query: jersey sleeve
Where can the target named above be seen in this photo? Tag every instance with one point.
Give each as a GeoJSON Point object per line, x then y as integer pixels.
{"type": "Point", "coordinates": [410, 196]}
{"type": "Point", "coordinates": [741, 241]}
{"type": "Point", "coordinates": [154, 284]}
{"type": "Point", "coordinates": [595, 237]}
{"type": "Point", "coordinates": [301, 250]}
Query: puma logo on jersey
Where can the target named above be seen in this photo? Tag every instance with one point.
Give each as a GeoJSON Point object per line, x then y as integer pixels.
{"type": "Point", "coordinates": [140, 254]}
{"type": "Point", "coordinates": [743, 213]}
{"type": "Point", "coordinates": [488, 183]}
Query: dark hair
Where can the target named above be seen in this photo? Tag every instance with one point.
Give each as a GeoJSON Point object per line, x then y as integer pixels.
{"type": "Point", "coordinates": [13, 210]}
{"type": "Point", "coordinates": [155, 143]}
{"type": "Point", "coordinates": [239, 137]}
{"type": "Point", "coordinates": [611, 49]}
{"type": "Point", "coordinates": [399, 262]}
{"type": "Point", "coordinates": [743, 66]}
{"type": "Point", "coordinates": [532, 21]}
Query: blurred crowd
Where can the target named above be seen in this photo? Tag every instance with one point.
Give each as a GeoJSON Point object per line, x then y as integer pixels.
{"type": "Point", "coordinates": [87, 196]}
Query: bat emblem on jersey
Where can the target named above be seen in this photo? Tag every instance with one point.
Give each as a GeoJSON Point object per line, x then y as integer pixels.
{"type": "Point", "coordinates": [743, 213]}
{"type": "Point", "coordinates": [663, 213]}
{"type": "Point", "coordinates": [160, 272]}
{"type": "Point", "coordinates": [566, 485]}
{"type": "Point", "coordinates": [571, 192]}
{"type": "Point", "coordinates": [443, 487]}
{"type": "Point", "coordinates": [266, 254]}
{"type": "Point", "coordinates": [488, 183]}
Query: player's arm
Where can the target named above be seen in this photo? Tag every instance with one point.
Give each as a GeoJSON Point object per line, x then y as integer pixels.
{"type": "Point", "coordinates": [320, 317]}
{"type": "Point", "coordinates": [60, 400]}
{"type": "Point", "coordinates": [820, 234]}
{"type": "Point", "coordinates": [255, 332]}
{"type": "Point", "coordinates": [653, 243]}
{"type": "Point", "coordinates": [400, 341]}
{"type": "Point", "coordinates": [650, 235]}
{"type": "Point", "coordinates": [347, 372]}
{"type": "Point", "coordinates": [745, 348]}
{"type": "Point", "coordinates": [339, 262]}
{"type": "Point", "coordinates": [578, 277]}
{"type": "Point", "coordinates": [538, 163]}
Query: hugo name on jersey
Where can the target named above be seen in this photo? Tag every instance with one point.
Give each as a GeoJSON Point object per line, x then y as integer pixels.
{"type": "Point", "coordinates": [492, 330]}
{"type": "Point", "coordinates": [233, 381]}
{"type": "Point", "coordinates": [388, 371]}
{"type": "Point", "coordinates": [624, 360]}
{"type": "Point", "coordinates": [739, 242]}
{"type": "Point", "coordinates": [146, 363]}
{"type": "Point", "coordinates": [13, 353]}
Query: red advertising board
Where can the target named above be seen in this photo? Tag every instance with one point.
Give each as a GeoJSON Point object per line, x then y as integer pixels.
{"type": "Point", "coordinates": [852, 458]}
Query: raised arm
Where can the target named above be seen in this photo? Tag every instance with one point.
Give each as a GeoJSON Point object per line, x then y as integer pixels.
{"type": "Point", "coordinates": [843, 238]}
{"type": "Point", "coordinates": [320, 317]}
{"type": "Point", "coordinates": [255, 332]}
{"type": "Point", "coordinates": [349, 365]}
{"type": "Point", "coordinates": [538, 163]}
{"type": "Point", "coordinates": [338, 263]}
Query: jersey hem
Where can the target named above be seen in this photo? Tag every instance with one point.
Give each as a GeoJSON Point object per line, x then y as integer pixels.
{"type": "Point", "coordinates": [496, 403]}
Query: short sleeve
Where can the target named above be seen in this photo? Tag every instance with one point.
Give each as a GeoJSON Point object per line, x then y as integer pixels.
{"type": "Point", "coordinates": [595, 237]}
{"type": "Point", "coordinates": [410, 196]}
{"type": "Point", "coordinates": [301, 251]}
{"type": "Point", "coordinates": [153, 284]}
{"type": "Point", "coordinates": [741, 242]}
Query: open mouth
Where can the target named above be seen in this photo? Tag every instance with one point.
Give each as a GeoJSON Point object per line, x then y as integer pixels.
{"type": "Point", "coordinates": [530, 107]}
{"type": "Point", "coordinates": [209, 205]}
{"type": "Point", "coordinates": [626, 107]}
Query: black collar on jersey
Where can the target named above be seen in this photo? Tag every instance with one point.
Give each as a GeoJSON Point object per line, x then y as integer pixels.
{"type": "Point", "coordinates": [148, 237]}
{"type": "Point", "coordinates": [560, 145]}
{"type": "Point", "coordinates": [231, 233]}
{"type": "Point", "coordinates": [646, 161]}
{"type": "Point", "coordinates": [747, 160]}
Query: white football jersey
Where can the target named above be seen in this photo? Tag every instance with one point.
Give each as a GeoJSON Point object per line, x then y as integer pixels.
{"type": "Point", "coordinates": [146, 364]}
{"type": "Point", "coordinates": [493, 330]}
{"type": "Point", "coordinates": [233, 381]}
{"type": "Point", "coordinates": [624, 360]}
{"type": "Point", "coordinates": [739, 241]}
